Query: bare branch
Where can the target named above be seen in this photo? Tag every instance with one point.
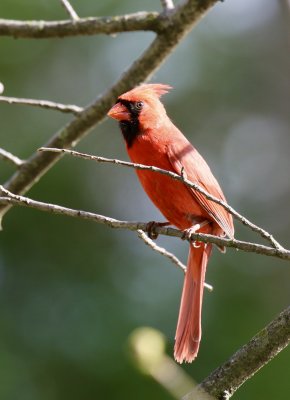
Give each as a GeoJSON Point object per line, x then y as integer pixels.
{"type": "Point", "coordinates": [177, 177]}
{"type": "Point", "coordinates": [69, 9]}
{"type": "Point", "coordinates": [225, 380]}
{"type": "Point", "coordinates": [170, 28]}
{"type": "Point", "coordinates": [65, 108]}
{"type": "Point", "coordinates": [167, 5]}
{"type": "Point", "coordinates": [11, 199]}
{"type": "Point", "coordinates": [174, 29]}
{"type": "Point", "coordinates": [142, 235]}
{"type": "Point", "coordinates": [14, 160]}
{"type": "Point", "coordinates": [145, 21]}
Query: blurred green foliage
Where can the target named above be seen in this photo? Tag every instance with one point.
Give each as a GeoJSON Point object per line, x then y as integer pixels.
{"type": "Point", "coordinates": [71, 292]}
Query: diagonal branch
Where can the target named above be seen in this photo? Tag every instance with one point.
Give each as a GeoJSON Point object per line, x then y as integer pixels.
{"type": "Point", "coordinates": [11, 158]}
{"type": "Point", "coordinates": [225, 380]}
{"type": "Point", "coordinates": [65, 108]}
{"type": "Point", "coordinates": [177, 177]}
{"type": "Point", "coordinates": [70, 10]}
{"type": "Point", "coordinates": [149, 242]}
{"type": "Point", "coordinates": [178, 25]}
{"type": "Point", "coordinates": [10, 199]}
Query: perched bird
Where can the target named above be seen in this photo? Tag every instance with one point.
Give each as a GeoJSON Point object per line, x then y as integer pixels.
{"type": "Point", "coordinates": [152, 139]}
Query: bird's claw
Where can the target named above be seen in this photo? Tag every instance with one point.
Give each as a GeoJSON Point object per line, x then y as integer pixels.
{"type": "Point", "coordinates": [151, 228]}
{"type": "Point", "coordinates": [186, 235]}
{"type": "Point", "coordinates": [193, 229]}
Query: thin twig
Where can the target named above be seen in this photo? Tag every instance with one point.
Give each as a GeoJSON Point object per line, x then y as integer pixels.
{"type": "Point", "coordinates": [11, 158]}
{"type": "Point", "coordinates": [172, 30]}
{"type": "Point", "coordinates": [225, 380]}
{"type": "Point", "coordinates": [167, 5]}
{"type": "Point", "coordinates": [141, 21]}
{"type": "Point", "coordinates": [177, 177]}
{"type": "Point", "coordinates": [69, 9]}
{"type": "Point", "coordinates": [142, 235]}
{"type": "Point", "coordinates": [11, 199]}
{"type": "Point", "coordinates": [65, 108]}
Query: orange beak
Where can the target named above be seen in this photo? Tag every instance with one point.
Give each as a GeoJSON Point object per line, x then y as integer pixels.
{"type": "Point", "coordinates": [119, 112]}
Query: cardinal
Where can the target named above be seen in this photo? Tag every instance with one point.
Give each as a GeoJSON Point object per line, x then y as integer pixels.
{"type": "Point", "coordinates": [152, 139]}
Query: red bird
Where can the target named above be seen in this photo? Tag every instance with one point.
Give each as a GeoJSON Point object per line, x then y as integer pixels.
{"type": "Point", "coordinates": [152, 139]}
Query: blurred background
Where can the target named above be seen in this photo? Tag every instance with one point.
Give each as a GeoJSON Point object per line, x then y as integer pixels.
{"type": "Point", "coordinates": [72, 292]}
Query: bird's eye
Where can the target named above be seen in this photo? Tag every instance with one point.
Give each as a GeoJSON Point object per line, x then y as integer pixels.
{"type": "Point", "coordinates": [139, 105]}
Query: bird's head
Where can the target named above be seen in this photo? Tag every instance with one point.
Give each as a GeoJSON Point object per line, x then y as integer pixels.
{"type": "Point", "coordinates": [139, 109]}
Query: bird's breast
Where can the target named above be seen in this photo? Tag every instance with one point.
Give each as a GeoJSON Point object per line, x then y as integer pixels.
{"type": "Point", "coordinates": [173, 198]}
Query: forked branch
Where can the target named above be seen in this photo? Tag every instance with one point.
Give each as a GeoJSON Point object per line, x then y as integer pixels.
{"type": "Point", "coordinates": [174, 28]}
{"type": "Point", "coordinates": [170, 28]}
{"type": "Point", "coordinates": [8, 198]}
{"type": "Point", "coordinates": [177, 177]}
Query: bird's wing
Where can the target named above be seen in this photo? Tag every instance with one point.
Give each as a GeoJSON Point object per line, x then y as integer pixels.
{"type": "Point", "coordinates": [186, 161]}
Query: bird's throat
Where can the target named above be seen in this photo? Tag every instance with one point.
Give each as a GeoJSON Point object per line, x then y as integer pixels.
{"type": "Point", "coordinates": [130, 130]}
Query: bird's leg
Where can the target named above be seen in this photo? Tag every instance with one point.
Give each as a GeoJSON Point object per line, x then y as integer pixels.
{"type": "Point", "coordinates": [151, 228]}
{"type": "Point", "coordinates": [193, 229]}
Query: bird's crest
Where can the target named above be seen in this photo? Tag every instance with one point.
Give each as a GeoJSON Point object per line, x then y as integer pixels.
{"type": "Point", "coordinates": [146, 90]}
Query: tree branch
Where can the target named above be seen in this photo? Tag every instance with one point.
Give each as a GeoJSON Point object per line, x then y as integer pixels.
{"type": "Point", "coordinates": [69, 9]}
{"type": "Point", "coordinates": [175, 28]}
{"type": "Point", "coordinates": [149, 242]}
{"type": "Point", "coordinates": [170, 28]}
{"type": "Point", "coordinates": [65, 108]}
{"type": "Point", "coordinates": [177, 177]}
{"type": "Point", "coordinates": [141, 21]}
{"type": "Point", "coordinates": [225, 380]}
{"type": "Point", "coordinates": [11, 158]}
{"type": "Point", "coordinates": [10, 199]}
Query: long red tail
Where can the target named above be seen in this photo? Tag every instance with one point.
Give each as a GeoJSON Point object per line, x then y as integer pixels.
{"type": "Point", "coordinates": [188, 331]}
